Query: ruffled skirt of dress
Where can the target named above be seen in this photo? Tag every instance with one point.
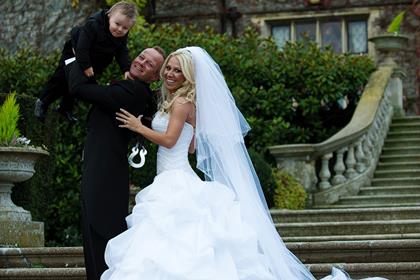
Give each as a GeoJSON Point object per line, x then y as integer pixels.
{"type": "Point", "coordinates": [183, 228]}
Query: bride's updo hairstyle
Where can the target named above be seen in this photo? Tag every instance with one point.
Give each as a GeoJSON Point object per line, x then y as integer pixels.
{"type": "Point", "coordinates": [187, 89]}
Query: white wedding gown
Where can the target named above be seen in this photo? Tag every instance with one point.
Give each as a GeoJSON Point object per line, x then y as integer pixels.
{"type": "Point", "coordinates": [183, 228]}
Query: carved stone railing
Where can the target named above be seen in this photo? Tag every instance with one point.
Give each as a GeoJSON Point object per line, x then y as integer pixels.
{"type": "Point", "coordinates": [346, 161]}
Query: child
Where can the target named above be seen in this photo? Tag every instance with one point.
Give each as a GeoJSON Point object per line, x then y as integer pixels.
{"type": "Point", "coordinates": [103, 37]}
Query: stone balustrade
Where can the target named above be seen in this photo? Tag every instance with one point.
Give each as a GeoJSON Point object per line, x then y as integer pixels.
{"type": "Point", "coordinates": [346, 161]}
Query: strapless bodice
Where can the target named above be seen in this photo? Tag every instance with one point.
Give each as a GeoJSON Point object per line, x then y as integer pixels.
{"type": "Point", "coordinates": [177, 156]}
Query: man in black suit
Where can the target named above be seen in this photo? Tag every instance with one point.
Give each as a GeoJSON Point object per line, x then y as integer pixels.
{"type": "Point", "coordinates": [105, 190]}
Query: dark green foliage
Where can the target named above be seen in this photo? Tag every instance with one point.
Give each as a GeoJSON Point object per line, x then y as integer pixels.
{"type": "Point", "coordinates": [264, 81]}
{"type": "Point", "coordinates": [289, 193]}
{"type": "Point", "coordinates": [25, 71]}
{"type": "Point", "coordinates": [265, 174]}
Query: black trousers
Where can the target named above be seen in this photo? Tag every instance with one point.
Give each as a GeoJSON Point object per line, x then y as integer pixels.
{"type": "Point", "coordinates": [94, 246]}
{"type": "Point", "coordinates": [57, 85]}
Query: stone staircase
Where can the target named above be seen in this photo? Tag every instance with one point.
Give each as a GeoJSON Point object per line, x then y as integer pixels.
{"type": "Point", "coordinates": [376, 233]}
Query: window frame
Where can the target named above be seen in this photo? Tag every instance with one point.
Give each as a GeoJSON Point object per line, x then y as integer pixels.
{"type": "Point", "coordinates": [343, 19]}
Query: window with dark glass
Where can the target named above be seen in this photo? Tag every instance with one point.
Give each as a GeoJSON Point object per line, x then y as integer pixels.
{"type": "Point", "coordinates": [341, 34]}
{"type": "Point", "coordinates": [331, 35]}
{"type": "Point", "coordinates": [357, 36]}
{"type": "Point", "coordinates": [306, 30]}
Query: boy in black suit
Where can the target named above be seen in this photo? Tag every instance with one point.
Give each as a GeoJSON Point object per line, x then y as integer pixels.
{"type": "Point", "coordinates": [95, 45]}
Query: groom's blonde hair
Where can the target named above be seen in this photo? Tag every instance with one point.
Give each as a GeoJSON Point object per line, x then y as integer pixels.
{"type": "Point", "coordinates": [187, 89]}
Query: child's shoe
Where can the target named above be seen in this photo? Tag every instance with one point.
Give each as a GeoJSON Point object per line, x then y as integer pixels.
{"type": "Point", "coordinates": [67, 115]}
{"type": "Point", "coordinates": [40, 110]}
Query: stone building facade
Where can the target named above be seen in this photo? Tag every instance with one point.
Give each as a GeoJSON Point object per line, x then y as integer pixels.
{"type": "Point", "coordinates": [44, 24]}
{"type": "Point", "coordinates": [353, 22]}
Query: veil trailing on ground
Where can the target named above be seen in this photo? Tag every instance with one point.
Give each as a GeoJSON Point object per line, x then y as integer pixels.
{"type": "Point", "coordinates": [223, 157]}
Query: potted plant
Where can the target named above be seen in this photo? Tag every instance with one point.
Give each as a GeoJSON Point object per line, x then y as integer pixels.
{"type": "Point", "coordinates": [17, 161]}
{"type": "Point", "coordinates": [392, 40]}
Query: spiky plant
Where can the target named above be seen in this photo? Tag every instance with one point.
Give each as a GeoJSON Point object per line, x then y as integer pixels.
{"type": "Point", "coordinates": [395, 26]}
{"type": "Point", "coordinates": [9, 116]}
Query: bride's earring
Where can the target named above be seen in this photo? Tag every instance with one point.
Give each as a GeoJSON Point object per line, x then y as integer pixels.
{"type": "Point", "coordinates": [142, 154]}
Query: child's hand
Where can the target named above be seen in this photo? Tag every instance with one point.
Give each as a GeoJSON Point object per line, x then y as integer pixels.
{"type": "Point", "coordinates": [89, 72]}
{"type": "Point", "coordinates": [127, 75]}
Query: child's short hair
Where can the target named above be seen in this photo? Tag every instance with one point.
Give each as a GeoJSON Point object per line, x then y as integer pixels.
{"type": "Point", "coordinates": [126, 8]}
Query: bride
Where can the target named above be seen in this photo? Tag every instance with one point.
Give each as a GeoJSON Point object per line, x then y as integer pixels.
{"type": "Point", "coordinates": [184, 228]}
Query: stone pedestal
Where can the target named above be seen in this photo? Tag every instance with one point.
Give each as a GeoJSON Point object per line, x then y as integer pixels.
{"type": "Point", "coordinates": [21, 234]}
{"type": "Point", "coordinates": [389, 45]}
{"type": "Point", "coordinates": [16, 225]}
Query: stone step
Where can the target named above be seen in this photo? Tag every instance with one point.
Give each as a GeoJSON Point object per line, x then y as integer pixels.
{"type": "Point", "coordinates": [403, 134]}
{"type": "Point", "coordinates": [395, 166]}
{"type": "Point", "coordinates": [42, 274]}
{"type": "Point", "coordinates": [394, 271]}
{"type": "Point", "coordinates": [379, 199]}
{"type": "Point", "coordinates": [399, 158]}
{"type": "Point", "coordinates": [405, 119]}
{"type": "Point", "coordinates": [401, 151]}
{"type": "Point", "coordinates": [405, 126]}
{"type": "Point", "coordinates": [369, 205]}
{"type": "Point", "coordinates": [413, 181]}
{"type": "Point", "coordinates": [351, 214]}
{"type": "Point", "coordinates": [354, 251]}
{"type": "Point", "coordinates": [352, 238]}
{"type": "Point", "coordinates": [370, 251]}
{"type": "Point", "coordinates": [391, 271]}
{"type": "Point", "coordinates": [389, 190]}
{"type": "Point", "coordinates": [401, 173]}
{"type": "Point", "coordinates": [53, 257]}
{"type": "Point", "coordinates": [409, 134]}
{"type": "Point", "coordinates": [348, 228]}
{"type": "Point", "coordinates": [390, 143]}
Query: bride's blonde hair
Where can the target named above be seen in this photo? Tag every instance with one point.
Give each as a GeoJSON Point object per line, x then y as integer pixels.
{"type": "Point", "coordinates": [187, 89]}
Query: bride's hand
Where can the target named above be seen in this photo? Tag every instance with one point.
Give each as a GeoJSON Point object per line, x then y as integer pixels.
{"type": "Point", "coordinates": [129, 121]}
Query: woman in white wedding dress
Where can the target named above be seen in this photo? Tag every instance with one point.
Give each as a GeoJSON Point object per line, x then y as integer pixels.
{"type": "Point", "coordinates": [183, 228]}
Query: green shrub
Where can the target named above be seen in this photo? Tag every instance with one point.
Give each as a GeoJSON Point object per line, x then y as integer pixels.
{"type": "Point", "coordinates": [266, 82]}
{"type": "Point", "coordinates": [265, 174]}
{"type": "Point", "coordinates": [9, 116]}
{"type": "Point", "coordinates": [25, 71]}
{"type": "Point", "coordinates": [289, 193]}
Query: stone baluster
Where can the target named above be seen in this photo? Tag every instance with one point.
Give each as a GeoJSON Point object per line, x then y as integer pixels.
{"type": "Point", "coordinates": [375, 136]}
{"type": "Point", "coordinates": [339, 168]}
{"type": "Point", "coordinates": [367, 148]}
{"type": "Point", "coordinates": [350, 162]}
{"type": "Point", "coordinates": [325, 173]}
{"type": "Point", "coordinates": [360, 156]}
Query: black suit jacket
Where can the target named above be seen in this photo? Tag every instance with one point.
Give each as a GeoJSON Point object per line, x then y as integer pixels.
{"type": "Point", "coordinates": [105, 177]}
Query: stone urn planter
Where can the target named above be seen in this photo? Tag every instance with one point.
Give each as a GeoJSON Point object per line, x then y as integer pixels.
{"type": "Point", "coordinates": [16, 225]}
{"type": "Point", "coordinates": [389, 44]}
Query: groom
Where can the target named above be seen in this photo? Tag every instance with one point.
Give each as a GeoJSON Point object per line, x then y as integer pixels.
{"type": "Point", "coordinates": [105, 190]}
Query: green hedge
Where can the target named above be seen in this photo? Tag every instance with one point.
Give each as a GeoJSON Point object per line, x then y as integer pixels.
{"type": "Point", "coordinates": [289, 193]}
{"type": "Point", "coordinates": [264, 81]}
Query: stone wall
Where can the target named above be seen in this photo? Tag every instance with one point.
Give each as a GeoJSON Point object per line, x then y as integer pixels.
{"type": "Point", "coordinates": [43, 24]}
